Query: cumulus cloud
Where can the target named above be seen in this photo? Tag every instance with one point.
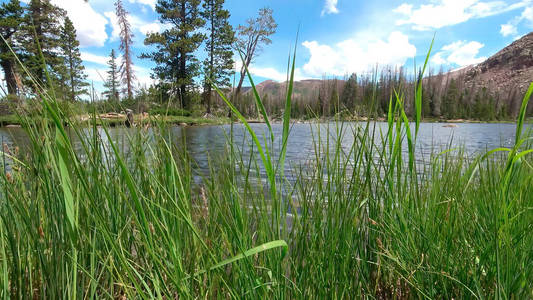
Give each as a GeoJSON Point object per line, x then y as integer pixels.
{"type": "Point", "coordinates": [99, 74]}
{"type": "Point", "coordinates": [136, 23]}
{"type": "Point", "coordinates": [268, 72]}
{"type": "Point", "coordinates": [142, 76]}
{"type": "Point", "coordinates": [97, 59]}
{"type": "Point", "coordinates": [460, 53]}
{"type": "Point", "coordinates": [90, 25]}
{"type": "Point", "coordinates": [330, 7]}
{"type": "Point", "coordinates": [357, 55]}
{"type": "Point", "coordinates": [510, 28]}
{"type": "Point", "coordinates": [441, 13]}
{"type": "Point", "coordinates": [150, 3]}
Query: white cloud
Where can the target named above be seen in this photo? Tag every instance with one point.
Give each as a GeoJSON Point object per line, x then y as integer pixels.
{"type": "Point", "coordinates": [98, 59]}
{"type": "Point", "coordinates": [460, 53]}
{"type": "Point", "coordinates": [150, 27]}
{"type": "Point", "coordinates": [441, 13]}
{"type": "Point", "coordinates": [510, 28]}
{"type": "Point", "coordinates": [269, 72]}
{"type": "Point", "coordinates": [136, 23]}
{"type": "Point", "coordinates": [115, 28]}
{"type": "Point", "coordinates": [330, 7]}
{"type": "Point", "coordinates": [404, 9]}
{"type": "Point", "coordinates": [142, 76]}
{"type": "Point", "coordinates": [357, 55]}
{"type": "Point", "coordinates": [274, 74]}
{"type": "Point", "coordinates": [90, 25]}
{"type": "Point", "coordinates": [96, 74]}
{"type": "Point", "coordinates": [438, 59]}
{"type": "Point", "coordinates": [150, 3]}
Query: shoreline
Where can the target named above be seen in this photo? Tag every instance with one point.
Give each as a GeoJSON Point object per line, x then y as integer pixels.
{"type": "Point", "coordinates": [12, 121]}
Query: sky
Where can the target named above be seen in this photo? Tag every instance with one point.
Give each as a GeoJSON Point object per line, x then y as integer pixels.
{"type": "Point", "coordinates": [335, 37]}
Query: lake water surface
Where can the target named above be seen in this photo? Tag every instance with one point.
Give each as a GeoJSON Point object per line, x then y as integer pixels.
{"type": "Point", "coordinates": [204, 141]}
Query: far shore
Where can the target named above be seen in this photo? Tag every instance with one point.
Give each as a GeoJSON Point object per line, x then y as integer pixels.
{"type": "Point", "coordinates": [118, 120]}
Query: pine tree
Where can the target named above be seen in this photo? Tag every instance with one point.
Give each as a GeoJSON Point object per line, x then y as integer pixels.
{"type": "Point", "coordinates": [112, 84]}
{"type": "Point", "coordinates": [218, 66]}
{"type": "Point", "coordinates": [349, 92]}
{"type": "Point", "coordinates": [126, 40]}
{"type": "Point", "coordinates": [74, 77]}
{"type": "Point", "coordinates": [334, 100]}
{"type": "Point", "coordinates": [11, 19]}
{"type": "Point", "coordinates": [43, 35]}
{"type": "Point", "coordinates": [175, 60]}
{"type": "Point", "coordinates": [451, 99]}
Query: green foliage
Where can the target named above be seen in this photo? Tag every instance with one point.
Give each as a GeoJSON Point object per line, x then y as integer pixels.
{"type": "Point", "coordinates": [170, 112]}
{"type": "Point", "coordinates": [334, 102]}
{"type": "Point", "coordinates": [218, 65]}
{"type": "Point", "coordinates": [112, 83]}
{"type": "Point", "coordinates": [175, 61]}
{"type": "Point", "coordinates": [11, 20]}
{"type": "Point", "coordinates": [73, 79]}
{"type": "Point", "coordinates": [349, 93]}
{"type": "Point", "coordinates": [41, 43]}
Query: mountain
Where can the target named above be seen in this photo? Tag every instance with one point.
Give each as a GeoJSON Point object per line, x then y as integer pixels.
{"type": "Point", "coordinates": [510, 71]}
{"type": "Point", "coordinates": [492, 89]}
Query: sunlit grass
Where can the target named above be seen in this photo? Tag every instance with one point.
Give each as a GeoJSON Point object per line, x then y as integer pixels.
{"type": "Point", "coordinates": [102, 220]}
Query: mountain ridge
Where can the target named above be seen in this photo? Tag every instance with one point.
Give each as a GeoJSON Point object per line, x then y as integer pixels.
{"type": "Point", "coordinates": [504, 74]}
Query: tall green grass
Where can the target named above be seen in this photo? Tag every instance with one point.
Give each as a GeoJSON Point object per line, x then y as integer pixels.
{"type": "Point", "coordinates": [83, 215]}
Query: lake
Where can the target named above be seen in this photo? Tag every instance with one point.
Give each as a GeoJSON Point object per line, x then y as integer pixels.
{"type": "Point", "coordinates": [204, 141]}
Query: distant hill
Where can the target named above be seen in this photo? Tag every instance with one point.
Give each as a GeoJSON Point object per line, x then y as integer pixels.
{"type": "Point", "coordinates": [303, 89]}
{"type": "Point", "coordinates": [510, 71]}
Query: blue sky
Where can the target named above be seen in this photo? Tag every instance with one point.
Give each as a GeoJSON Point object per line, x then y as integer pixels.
{"type": "Point", "coordinates": [337, 37]}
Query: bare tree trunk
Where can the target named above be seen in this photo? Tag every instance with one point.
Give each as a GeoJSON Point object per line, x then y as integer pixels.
{"type": "Point", "coordinates": [9, 73]}
{"type": "Point", "coordinates": [211, 61]}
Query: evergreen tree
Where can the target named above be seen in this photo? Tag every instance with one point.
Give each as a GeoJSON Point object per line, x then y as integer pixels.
{"type": "Point", "coordinates": [450, 100]}
{"type": "Point", "coordinates": [426, 104]}
{"type": "Point", "coordinates": [112, 84]}
{"type": "Point", "coordinates": [334, 100]}
{"type": "Point", "coordinates": [175, 60]}
{"type": "Point", "coordinates": [349, 92]}
{"type": "Point", "coordinates": [11, 19]}
{"type": "Point", "coordinates": [218, 66]}
{"type": "Point", "coordinates": [74, 77]}
{"type": "Point", "coordinates": [126, 40]}
{"type": "Point", "coordinates": [43, 35]}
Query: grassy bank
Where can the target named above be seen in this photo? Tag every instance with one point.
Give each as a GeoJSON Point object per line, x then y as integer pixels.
{"type": "Point", "coordinates": [99, 220]}
{"type": "Point", "coordinates": [14, 120]}
{"type": "Point", "coordinates": [85, 120]}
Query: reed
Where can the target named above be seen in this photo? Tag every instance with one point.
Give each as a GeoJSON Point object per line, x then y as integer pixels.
{"type": "Point", "coordinates": [86, 215]}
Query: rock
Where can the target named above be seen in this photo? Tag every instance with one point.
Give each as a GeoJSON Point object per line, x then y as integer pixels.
{"type": "Point", "coordinates": [450, 126]}
{"type": "Point", "coordinates": [112, 115]}
{"type": "Point", "coordinates": [507, 72]}
{"type": "Point", "coordinates": [129, 118]}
